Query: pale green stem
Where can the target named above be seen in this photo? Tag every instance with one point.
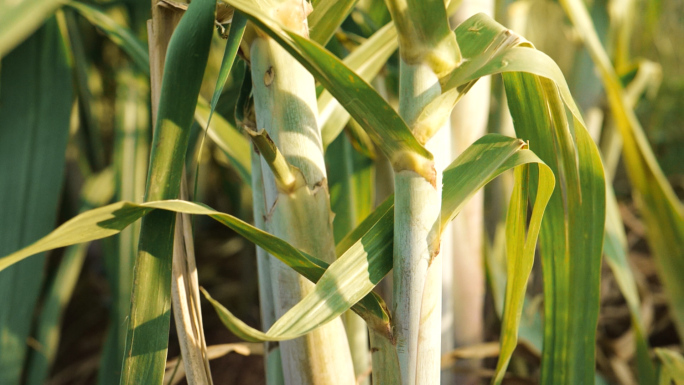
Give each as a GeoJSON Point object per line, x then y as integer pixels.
{"type": "Point", "coordinates": [416, 209]}
{"type": "Point", "coordinates": [272, 360]}
{"type": "Point", "coordinates": [285, 103]}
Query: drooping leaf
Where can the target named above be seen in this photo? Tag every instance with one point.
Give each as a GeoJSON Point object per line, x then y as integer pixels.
{"type": "Point", "coordinates": [544, 113]}
{"type": "Point", "coordinates": [663, 213]}
{"type": "Point", "coordinates": [109, 220]}
{"type": "Point", "coordinates": [520, 249]}
{"type": "Point", "coordinates": [369, 256]}
{"type": "Point", "coordinates": [363, 263]}
{"type": "Point", "coordinates": [571, 237]}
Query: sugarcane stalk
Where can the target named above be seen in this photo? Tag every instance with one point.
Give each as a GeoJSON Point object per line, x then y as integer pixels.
{"type": "Point", "coordinates": [285, 105]}
{"type": "Point", "coordinates": [417, 307]}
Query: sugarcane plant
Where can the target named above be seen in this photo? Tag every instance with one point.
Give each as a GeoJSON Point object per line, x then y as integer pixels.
{"type": "Point", "coordinates": [322, 322]}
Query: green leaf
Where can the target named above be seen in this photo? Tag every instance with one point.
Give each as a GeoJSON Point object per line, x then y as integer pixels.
{"type": "Point", "coordinates": [544, 113]}
{"type": "Point", "coordinates": [662, 211]}
{"type": "Point", "coordinates": [366, 262]}
{"type": "Point", "coordinates": [110, 220]}
{"type": "Point", "coordinates": [224, 134]}
{"type": "Point", "coordinates": [89, 127]}
{"type": "Point", "coordinates": [148, 327]}
{"type": "Point", "coordinates": [367, 259]}
{"type": "Point", "coordinates": [520, 248]}
{"type": "Point", "coordinates": [237, 29]}
{"type": "Point", "coordinates": [366, 61]}
{"type": "Point", "coordinates": [326, 17]}
{"type": "Point", "coordinates": [36, 97]}
{"type": "Point", "coordinates": [21, 18]}
{"type": "Point", "coordinates": [571, 236]}
{"type": "Point", "coordinates": [97, 190]}
{"type": "Point", "coordinates": [130, 160]}
{"type": "Point", "coordinates": [671, 368]}
{"type": "Point", "coordinates": [119, 34]}
{"type": "Point", "coordinates": [387, 129]}
{"type": "Point", "coordinates": [351, 178]}
{"type": "Point", "coordinates": [369, 255]}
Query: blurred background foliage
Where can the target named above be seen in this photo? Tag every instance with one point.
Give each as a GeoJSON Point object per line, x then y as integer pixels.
{"type": "Point", "coordinates": [111, 105]}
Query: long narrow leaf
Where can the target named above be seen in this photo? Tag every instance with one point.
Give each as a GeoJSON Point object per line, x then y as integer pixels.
{"type": "Point", "coordinates": [229, 139]}
{"type": "Point", "coordinates": [662, 211]}
{"type": "Point", "coordinates": [520, 249]}
{"type": "Point", "coordinates": [540, 101]}
{"type": "Point", "coordinates": [365, 262]}
{"type": "Point", "coordinates": [369, 258]}
{"type": "Point", "coordinates": [237, 29]}
{"type": "Point", "coordinates": [148, 326]}
{"type": "Point", "coordinates": [35, 103]}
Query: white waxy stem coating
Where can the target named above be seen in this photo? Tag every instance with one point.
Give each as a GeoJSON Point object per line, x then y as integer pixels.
{"type": "Point", "coordinates": [285, 103]}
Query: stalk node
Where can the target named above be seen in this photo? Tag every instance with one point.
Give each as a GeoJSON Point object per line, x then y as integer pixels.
{"type": "Point", "coordinates": [410, 161]}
